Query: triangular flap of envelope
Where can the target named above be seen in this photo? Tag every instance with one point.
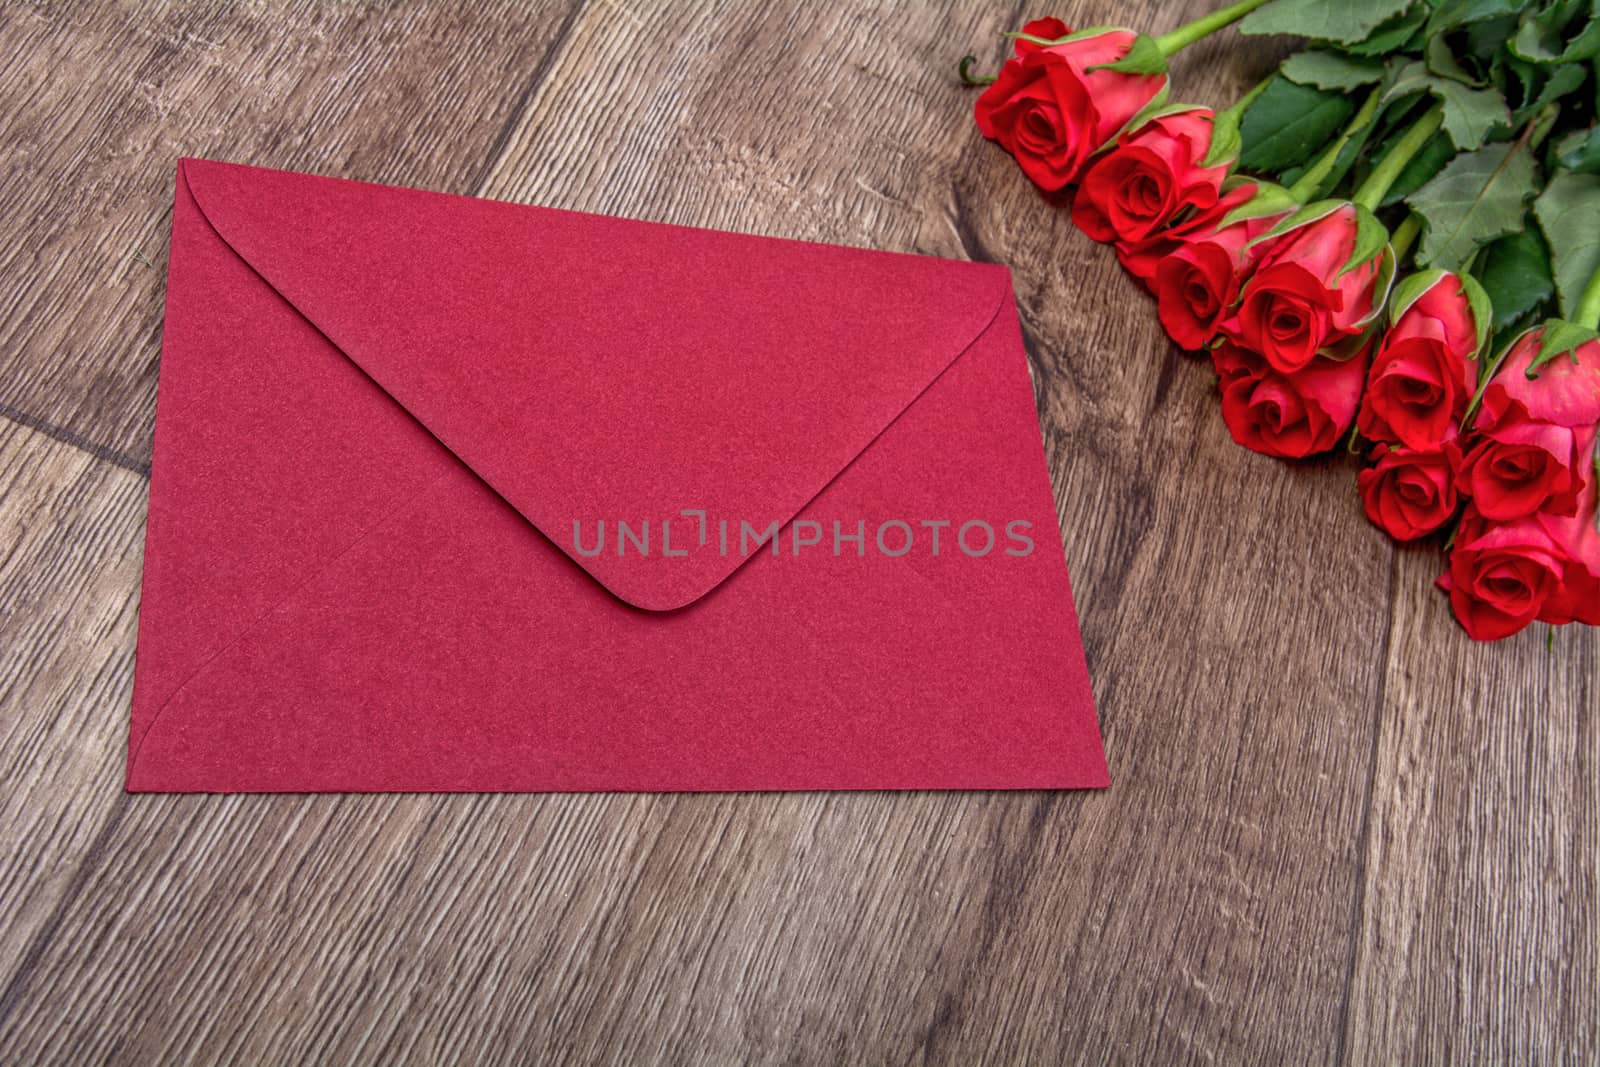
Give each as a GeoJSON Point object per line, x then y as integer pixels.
{"type": "Point", "coordinates": [592, 369]}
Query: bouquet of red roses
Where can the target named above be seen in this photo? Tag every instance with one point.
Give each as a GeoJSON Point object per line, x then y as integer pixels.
{"type": "Point", "coordinates": [1391, 243]}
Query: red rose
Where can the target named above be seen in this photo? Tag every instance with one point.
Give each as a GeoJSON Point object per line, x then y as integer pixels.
{"type": "Point", "coordinates": [1143, 258]}
{"type": "Point", "coordinates": [1287, 415]}
{"type": "Point", "coordinates": [1578, 599]}
{"type": "Point", "coordinates": [1504, 575]}
{"type": "Point", "coordinates": [1199, 279]}
{"type": "Point", "coordinates": [1046, 29]}
{"type": "Point", "coordinates": [1409, 493]}
{"type": "Point", "coordinates": [1052, 113]}
{"type": "Point", "coordinates": [1424, 375]}
{"type": "Point", "coordinates": [1301, 300]}
{"type": "Point", "coordinates": [1536, 434]}
{"type": "Point", "coordinates": [1149, 178]}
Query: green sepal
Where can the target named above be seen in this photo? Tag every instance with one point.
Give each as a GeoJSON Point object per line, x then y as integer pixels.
{"type": "Point", "coordinates": [1156, 106]}
{"type": "Point", "coordinates": [1413, 287]}
{"type": "Point", "coordinates": [1270, 199]}
{"type": "Point", "coordinates": [1144, 56]}
{"type": "Point", "coordinates": [1487, 369]}
{"type": "Point", "coordinates": [1348, 348]}
{"type": "Point", "coordinates": [1560, 338]}
{"type": "Point", "coordinates": [1042, 42]}
{"type": "Point", "coordinates": [1372, 237]}
{"type": "Point", "coordinates": [1410, 289]}
{"type": "Point", "coordinates": [1225, 140]}
{"type": "Point", "coordinates": [1482, 310]}
{"type": "Point", "coordinates": [1046, 42]}
{"type": "Point", "coordinates": [1305, 216]}
{"type": "Point", "coordinates": [1382, 284]}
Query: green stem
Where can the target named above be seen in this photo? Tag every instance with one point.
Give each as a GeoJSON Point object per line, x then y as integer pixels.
{"type": "Point", "coordinates": [1371, 192]}
{"type": "Point", "coordinates": [1188, 34]}
{"type": "Point", "coordinates": [1243, 104]}
{"type": "Point", "coordinates": [965, 70]}
{"type": "Point", "coordinates": [1306, 188]}
{"type": "Point", "coordinates": [1587, 313]}
{"type": "Point", "coordinates": [1405, 235]}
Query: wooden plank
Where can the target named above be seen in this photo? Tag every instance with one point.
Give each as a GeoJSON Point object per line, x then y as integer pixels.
{"type": "Point", "coordinates": [103, 99]}
{"type": "Point", "coordinates": [1480, 907]}
{"type": "Point", "coordinates": [69, 575]}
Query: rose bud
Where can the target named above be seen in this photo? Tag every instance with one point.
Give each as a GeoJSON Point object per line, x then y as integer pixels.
{"type": "Point", "coordinates": [1152, 175]}
{"type": "Point", "coordinates": [1287, 415]}
{"type": "Point", "coordinates": [1052, 112]}
{"type": "Point", "coordinates": [1143, 258]}
{"type": "Point", "coordinates": [1410, 493]}
{"type": "Point", "coordinates": [1199, 279]}
{"type": "Point", "coordinates": [1306, 294]}
{"type": "Point", "coordinates": [1504, 575]}
{"type": "Point", "coordinates": [1425, 372]}
{"type": "Point", "coordinates": [1535, 433]}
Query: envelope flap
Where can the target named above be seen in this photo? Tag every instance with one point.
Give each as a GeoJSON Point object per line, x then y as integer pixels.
{"type": "Point", "coordinates": [592, 369]}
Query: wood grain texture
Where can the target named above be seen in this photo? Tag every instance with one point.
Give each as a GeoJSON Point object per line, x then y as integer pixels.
{"type": "Point", "coordinates": [1338, 832]}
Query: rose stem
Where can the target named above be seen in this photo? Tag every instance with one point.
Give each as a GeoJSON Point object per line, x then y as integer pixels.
{"type": "Point", "coordinates": [965, 70]}
{"type": "Point", "coordinates": [1371, 192]}
{"type": "Point", "coordinates": [1404, 235]}
{"type": "Point", "coordinates": [1189, 33]}
{"type": "Point", "coordinates": [1244, 102]}
{"type": "Point", "coordinates": [1311, 181]}
{"type": "Point", "coordinates": [1587, 313]}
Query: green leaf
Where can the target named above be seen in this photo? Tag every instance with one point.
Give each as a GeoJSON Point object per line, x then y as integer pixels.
{"type": "Point", "coordinates": [1470, 115]}
{"type": "Point", "coordinates": [1144, 56]}
{"type": "Point", "coordinates": [1331, 70]}
{"type": "Point", "coordinates": [1441, 61]}
{"type": "Point", "coordinates": [1290, 123]}
{"type": "Point", "coordinates": [1579, 151]}
{"type": "Point", "coordinates": [1515, 270]}
{"type": "Point", "coordinates": [1396, 35]}
{"type": "Point", "coordinates": [1562, 80]}
{"type": "Point", "coordinates": [1342, 21]}
{"type": "Point", "coordinates": [1453, 13]}
{"type": "Point", "coordinates": [1479, 196]}
{"type": "Point", "coordinates": [1569, 213]}
{"type": "Point", "coordinates": [1560, 338]}
{"type": "Point", "coordinates": [1539, 40]}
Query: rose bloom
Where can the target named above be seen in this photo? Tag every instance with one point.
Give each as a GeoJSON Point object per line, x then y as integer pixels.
{"type": "Point", "coordinates": [1505, 575]}
{"type": "Point", "coordinates": [1149, 178]}
{"type": "Point", "coordinates": [1200, 277]}
{"type": "Point", "coordinates": [1297, 302]}
{"type": "Point", "coordinates": [1143, 258]}
{"type": "Point", "coordinates": [1424, 374]}
{"type": "Point", "coordinates": [1052, 113]}
{"type": "Point", "coordinates": [1410, 493]}
{"type": "Point", "coordinates": [1287, 415]}
{"type": "Point", "coordinates": [1536, 434]}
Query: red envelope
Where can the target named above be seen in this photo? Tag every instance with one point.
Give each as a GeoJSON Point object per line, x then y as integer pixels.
{"type": "Point", "coordinates": [393, 424]}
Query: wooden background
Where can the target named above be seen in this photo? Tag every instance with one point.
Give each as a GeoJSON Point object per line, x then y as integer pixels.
{"type": "Point", "coordinates": [1339, 831]}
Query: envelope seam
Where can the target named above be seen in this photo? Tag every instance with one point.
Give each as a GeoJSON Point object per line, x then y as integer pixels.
{"type": "Point", "coordinates": [250, 627]}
